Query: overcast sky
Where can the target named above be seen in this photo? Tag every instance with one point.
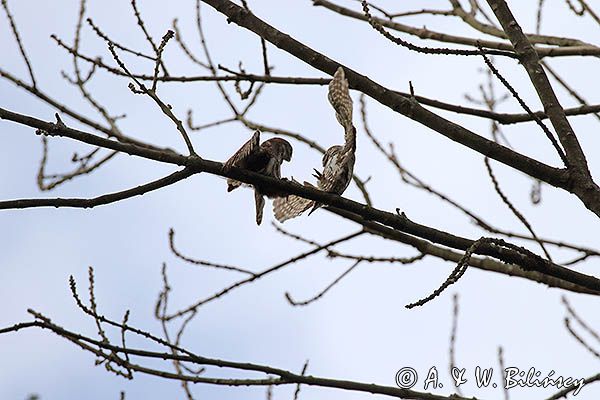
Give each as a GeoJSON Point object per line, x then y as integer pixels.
{"type": "Point", "coordinates": [360, 330]}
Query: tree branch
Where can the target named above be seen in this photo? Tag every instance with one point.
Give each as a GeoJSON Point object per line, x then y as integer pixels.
{"type": "Point", "coordinates": [531, 62]}
{"type": "Point", "coordinates": [523, 258]}
{"type": "Point", "coordinates": [286, 377]}
{"type": "Point", "coordinates": [396, 102]}
{"type": "Point", "coordinates": [100, 200]}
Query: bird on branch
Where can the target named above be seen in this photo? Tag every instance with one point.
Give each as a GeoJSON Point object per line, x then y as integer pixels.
{"type": "Point", "coordinates": [266, 159]}
{"type": "Point", "coordinates": [338, 161]}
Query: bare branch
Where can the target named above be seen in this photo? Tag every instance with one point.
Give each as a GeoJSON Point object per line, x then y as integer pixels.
{"type": "Point", "coordinates": [200, 262]}
{"type": "Point", "coordinates": [525, 259]}
{"type": "Point", "coordinates": [426, 50]}
{"type": "Point", "coordinates": [452, 350]}
{"type": "Point", "coordinates": [13, 27]}
{"type": "Point", "coordinates": [322, 293]}
{"type": "Point", "coordinates": [259, 275]}
{"type": "Point", "coordinates": [100, 200]}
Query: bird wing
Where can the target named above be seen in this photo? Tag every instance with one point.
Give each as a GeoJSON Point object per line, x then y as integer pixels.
{"type": "Point", "coordinates": [240, 157]}
{"type": "Point", "coordinates": [242, 154]}
{"type": "Point", "coordinates": [291, 206]}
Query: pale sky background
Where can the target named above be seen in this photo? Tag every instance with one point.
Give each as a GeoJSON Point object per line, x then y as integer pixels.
{"type": "Point", "coordinates": [360, 330]}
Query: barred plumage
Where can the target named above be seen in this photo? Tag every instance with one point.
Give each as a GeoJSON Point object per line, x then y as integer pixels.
{"type": "Point", "coordinates": [338, 161]}
{"type": "Point", "coordinates": [339, 97]}
{"type": "Point", "coordinates": [285, 208]}
{"type": "Point", "coordinates": [265, 159]}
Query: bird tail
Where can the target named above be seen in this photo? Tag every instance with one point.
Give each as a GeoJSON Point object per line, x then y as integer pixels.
{"type": "Point", "coordinates": [260, 205]}
{"type": "Point", "coordinates": [232, 184]}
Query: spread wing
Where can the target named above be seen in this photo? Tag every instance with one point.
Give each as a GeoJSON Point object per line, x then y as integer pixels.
{"type": "Point", "coordinates": [291, 206]}
{"type": "Point", "coordinates": [240, 157]}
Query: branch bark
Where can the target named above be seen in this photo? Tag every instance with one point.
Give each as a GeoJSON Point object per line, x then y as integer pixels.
{"type": "Point", "coordinates": [407, 107]}
{"type": "Point", "coordinates": [526, 260]}
{"type": "Point", "coordinates": [286, 377]}
{"type": "Point", "coordinates": [581, 183]}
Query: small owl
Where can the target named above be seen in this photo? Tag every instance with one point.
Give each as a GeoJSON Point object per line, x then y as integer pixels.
{"type": "Point", "coordinates": [266, 159]}
{"type": "Point", "coordinates": [338, 161]}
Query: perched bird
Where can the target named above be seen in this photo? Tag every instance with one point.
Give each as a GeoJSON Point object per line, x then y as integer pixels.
{"type": "Point", "coordinates": [266, 159]}
{"type": "Point", "coordinates": [338, 161]}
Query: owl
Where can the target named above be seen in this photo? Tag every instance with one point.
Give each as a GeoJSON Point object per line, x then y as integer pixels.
{"type": "Point", "coordinates": [266, 159]}
{"type": "Point", "coordinates": [338, 161]}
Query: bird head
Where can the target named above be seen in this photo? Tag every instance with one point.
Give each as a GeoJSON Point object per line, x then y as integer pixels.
{"type": "Point", "coordinates": [281, 147]}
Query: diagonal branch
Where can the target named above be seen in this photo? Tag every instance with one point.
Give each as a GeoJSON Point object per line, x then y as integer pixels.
{"type": "Point", "coordinates": [13, 27]}
{"type": "Point", "coordinates": [405, 106]}
{"type": "Point", "coordinates": [284, 376]}
{"type": "Point", "coordinates": [268, 271]}
{"type": "Point", "coordinates": [522, 257]}
{"type": "Point", "coordinates": [574, 181]}
{"type": "Point", "coordinates": [570, 49]}
{"type": "Point", "coordinates": [531, 62]}
{"type": "Point", "coordinates": [494, 31]}
{"type": "Point", "coordinates": [110, 132]}
{"type": "Point", "coordinates": [582, 184]}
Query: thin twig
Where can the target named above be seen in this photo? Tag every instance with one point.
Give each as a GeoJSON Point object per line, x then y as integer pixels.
{"type": "Point", "coordinates": [451, 350]}
{"type": "Point", "coordinates": [13, 27]}
{"type": "Point", "coordinates": [293, 302]}
{"type": "Point", "coordinates": [201, 262]}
